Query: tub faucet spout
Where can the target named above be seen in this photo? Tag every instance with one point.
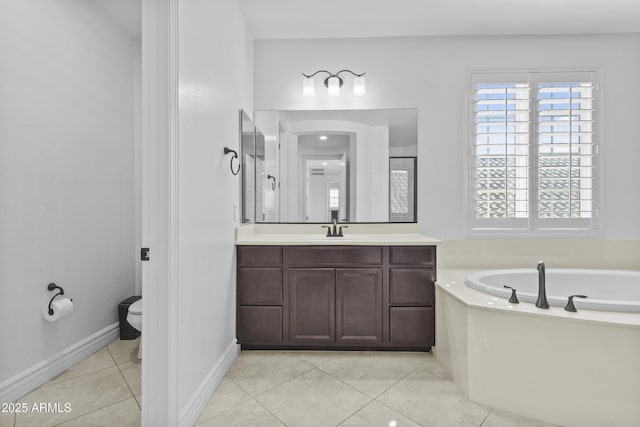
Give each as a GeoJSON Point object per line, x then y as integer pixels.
{"type": "Point", "coordinates": [542, 292]}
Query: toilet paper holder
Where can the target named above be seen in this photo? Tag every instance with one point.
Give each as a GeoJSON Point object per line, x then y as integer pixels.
{"type": "Point", "coordinates": [51, 287]}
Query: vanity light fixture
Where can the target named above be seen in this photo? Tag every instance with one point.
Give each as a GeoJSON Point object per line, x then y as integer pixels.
{"type": "Point", "coordinates": [323, 137]}
{"type": "Point", "coordinates": [333, 83]}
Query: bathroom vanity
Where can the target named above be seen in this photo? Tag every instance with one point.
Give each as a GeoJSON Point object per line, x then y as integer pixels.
{"type": "Point", "coordinates": [366, 291]}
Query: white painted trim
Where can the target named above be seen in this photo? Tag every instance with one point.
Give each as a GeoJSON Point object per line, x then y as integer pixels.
{"type": "Point", "coordinates": [159, 218]}
{"type": "Point", "coordinates": [38, 374]}
{"type": "Point", "coordinates": [208, 386]}
{"type": "Point", "coordinates": [536, 228]}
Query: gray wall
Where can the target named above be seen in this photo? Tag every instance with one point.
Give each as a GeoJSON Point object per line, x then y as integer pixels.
{"type": "Point", "coordinates": [66, 174]}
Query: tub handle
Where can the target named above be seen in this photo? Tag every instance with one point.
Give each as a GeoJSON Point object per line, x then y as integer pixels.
{"type": "Point", "coordinates": [514, 297]}
{"type": "Point", "coordinates": [570, 306]}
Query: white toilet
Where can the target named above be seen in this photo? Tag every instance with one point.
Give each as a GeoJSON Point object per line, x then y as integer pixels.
{"type": "Point", "coordinates": [134, 317]}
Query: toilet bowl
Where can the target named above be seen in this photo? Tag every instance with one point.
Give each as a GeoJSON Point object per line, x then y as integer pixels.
{"type": "Point", "coordinates": [134, 318]}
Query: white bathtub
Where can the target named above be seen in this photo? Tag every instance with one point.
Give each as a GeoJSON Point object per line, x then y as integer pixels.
{"type": "Point", "coordinates": [572, 369]}
{"type": "Point", "coordinates": [609, 290]}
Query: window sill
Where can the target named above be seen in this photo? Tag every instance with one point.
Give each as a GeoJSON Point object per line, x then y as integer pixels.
{"type": "Point", "coordinates": [513, 233]}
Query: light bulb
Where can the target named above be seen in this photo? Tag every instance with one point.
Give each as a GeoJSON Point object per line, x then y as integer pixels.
{"type": "Point", "coordinates": [323, 137]}
{"type": "Point", "coordinates": [334, 86]}
{"type": "Point", "coordinates": [358, 86]}
{"type": "Point", "coordinates": [308, 87]}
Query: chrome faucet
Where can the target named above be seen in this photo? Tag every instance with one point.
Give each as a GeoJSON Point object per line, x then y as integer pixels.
{"type": "Point", "coordinates": [542, 292]}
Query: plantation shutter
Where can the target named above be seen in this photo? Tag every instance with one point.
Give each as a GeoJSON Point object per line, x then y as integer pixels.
{"type": "Point", "coordinates": [566, 150]}
{"type": "Point", "coordinates": [500, 184]}
{"type": "Point", "coordinates": [533, 148]}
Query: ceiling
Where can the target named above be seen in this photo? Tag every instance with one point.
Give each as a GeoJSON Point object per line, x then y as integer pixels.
{"type": "Point", "coordinates": [268, 19]}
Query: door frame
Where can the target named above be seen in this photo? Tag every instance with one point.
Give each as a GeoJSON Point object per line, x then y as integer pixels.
{"type": "Point", "coordinates": [159, 212]}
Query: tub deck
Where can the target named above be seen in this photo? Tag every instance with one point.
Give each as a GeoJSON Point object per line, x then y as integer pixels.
{"type": "Point", "coordinates": [572, 369]}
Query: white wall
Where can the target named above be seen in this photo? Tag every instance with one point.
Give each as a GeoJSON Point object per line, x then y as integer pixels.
{"type": "Point", "coordinates": [432, 74]}
{"type": "Point", "coordinates": [215, 82]}
{"type": "Point", "coordinates": [372, 175]}
{"type": "Point", "coordinates": [66, 174]}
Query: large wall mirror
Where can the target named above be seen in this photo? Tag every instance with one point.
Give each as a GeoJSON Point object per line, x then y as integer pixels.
{"type": "Point", "coordinates": [317, 166]}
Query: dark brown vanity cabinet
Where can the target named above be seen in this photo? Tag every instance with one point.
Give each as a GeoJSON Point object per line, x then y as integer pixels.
{"type": "Point", "coordinates": [360, 297]}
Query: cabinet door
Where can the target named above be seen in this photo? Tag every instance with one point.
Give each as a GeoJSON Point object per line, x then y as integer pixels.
{"type": "Point", "coordinates": [412, 326]}
{"type": "Point", "coordinates": [260, 325]}
{"type": "Point", "coordinates": [359, 305]}
{"type": "Point", "coordinates": [312, 305]}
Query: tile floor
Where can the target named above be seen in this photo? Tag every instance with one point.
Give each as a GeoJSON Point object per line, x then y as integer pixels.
{"type": "Point", "coordinates": [275, 388]}
{"type": "Point", "coordinates": [103, 390]}
{"type": "Point", "coordinates": [348, 389]}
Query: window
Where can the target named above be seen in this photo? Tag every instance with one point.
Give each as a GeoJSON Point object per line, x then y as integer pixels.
{"type": "Point", "coordinates": [399, 180]}
{"type": "Point", "coordinates": [533, 151]}
{"type": "Point", "coordinates": [334, 198]}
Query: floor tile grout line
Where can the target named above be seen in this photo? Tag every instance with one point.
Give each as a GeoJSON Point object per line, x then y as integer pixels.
{"type": "Point", "coordinates": [395, 410]}
{"type": "Point", "coordinates": [124, 378]}
{"type": "Point", "coordinates": [375, 397]}
{"type": "Point", "coordinates": [114, 358]}
{"type": "Point", "coordinates": [317, 367]}
{"type": "Point", "coordinates": [357, 410]}
{"type": "Point", "coordinates": [90, 412]}
{"type": "Point", "coordinates": [279, 384]}
{"type": "Point", "coordinates": [347, 384]}
{"type": "Point", "coordinates": [199, 421]}
{"type": "Point", "coordinates": [47, 385]}
{"type": "Point", "coordinates": [111, 355]}
{"type": "Point", "coordinates": [392, 385]}
{"type": "Point", "coordinates": [321, 371]}
{"type": "Point", "coordinates": [487, 416]}
{"type": "Point", "coordinates": [269, 411]}
{"type": "Point", "coordinates": [127, 383]}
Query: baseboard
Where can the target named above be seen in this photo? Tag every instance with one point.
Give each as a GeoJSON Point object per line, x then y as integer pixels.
{"type": "Point", "coordinates": [190, 414]}
{"type": "Point", "coordinates": [38, 374]}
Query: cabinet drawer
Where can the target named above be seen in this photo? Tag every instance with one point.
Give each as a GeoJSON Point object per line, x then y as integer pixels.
{"type": "Point", "coordinates": [260, 325]}
{"type": "Point", "coordinates": [259, 255]}
{"type": "Point", "coordinates": [334, 256]}
{"type": "Point", "coordinates": [411, 326]}
{"type": "Point", "coordinates": [412, 255]}
{"type": "Point", "coordinates": [260, 285]}
{"type": "Point", "coordinates": [411, 286]}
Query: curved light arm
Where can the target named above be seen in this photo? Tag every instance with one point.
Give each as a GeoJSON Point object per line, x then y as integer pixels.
{"type": "Point", "coordinates": [332, 74]}
{"type": "Point", "coordinates": [319, 71]}
{"type": "Point", "coordinates": [349, 71]}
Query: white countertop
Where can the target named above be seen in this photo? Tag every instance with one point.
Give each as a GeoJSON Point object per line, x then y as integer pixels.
{"type": "Point", "coordinates": [313, 234]}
